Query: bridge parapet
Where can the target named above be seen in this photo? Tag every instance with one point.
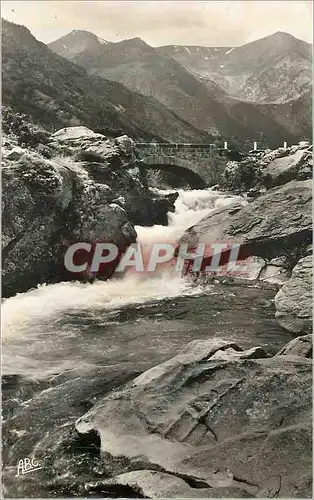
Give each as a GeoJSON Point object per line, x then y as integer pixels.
{"type": "Point", "coordinates": [202, 159]}
{"type": "Point", "coordinates": [194, 152]}
{"type": "Point", "coordinates": [176, 146]}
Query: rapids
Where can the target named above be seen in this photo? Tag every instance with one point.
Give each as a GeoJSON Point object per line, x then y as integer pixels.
{"type": "Point", "coordinates": [67, 325]}
{"type": "Point", "coordinates": [49, 300]}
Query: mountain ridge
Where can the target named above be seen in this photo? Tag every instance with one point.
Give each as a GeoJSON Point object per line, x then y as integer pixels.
{"type": "Point", "coordinates": [199, 101]}
{"type": "Point", "coordinates": [259, 71]}
{"type": "Point", "coordinates": [59, 93]}
{"type": "Point", "coordinates": [175, 106]}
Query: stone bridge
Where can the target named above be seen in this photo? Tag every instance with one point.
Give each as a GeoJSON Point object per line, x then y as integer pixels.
{"type": "Point", "coordinates": [196, 163]}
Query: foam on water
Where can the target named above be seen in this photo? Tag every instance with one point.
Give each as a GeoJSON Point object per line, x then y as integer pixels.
{"type": "Point", "coordinates": [48, 301]}
{"type": "Point", "coordinates": [190, 207]}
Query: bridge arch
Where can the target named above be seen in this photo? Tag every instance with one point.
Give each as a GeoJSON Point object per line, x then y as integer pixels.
{"type": "Point", "coordinates": [177, 165]}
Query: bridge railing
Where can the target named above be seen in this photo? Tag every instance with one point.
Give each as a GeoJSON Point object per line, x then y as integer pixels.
{"type": "Point", "coordinates": [169, 145]}
{"type": "Point", "coordinates": [183, 145]}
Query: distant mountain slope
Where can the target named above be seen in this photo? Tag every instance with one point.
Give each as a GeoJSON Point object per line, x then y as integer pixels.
{"type": "Point", "coordinates": [295, 115]}
{"type": "Point", "coordinates": [276, 68]}
{"type": "Point", "coordinates": [57, 93]}
{"type": "Point", "coordinates": [86, 49]}
{"type": "Point", "coordinates": [144, 69]}
{"type": "Point", "coordinates": [78, 42]}
{"type": "Point", "coordinates": [201, 61]}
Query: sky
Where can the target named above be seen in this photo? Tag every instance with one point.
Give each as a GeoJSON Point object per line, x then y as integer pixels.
{"type": "Point", "coordinates": [208, 23]}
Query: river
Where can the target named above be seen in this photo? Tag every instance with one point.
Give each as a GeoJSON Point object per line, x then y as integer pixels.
{"type": "Point", "coordinates": [66, 345]}
{"type": "Point", "coordinates": [74, 326]}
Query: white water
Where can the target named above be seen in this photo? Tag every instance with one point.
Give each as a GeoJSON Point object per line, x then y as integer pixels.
{"type": "Point", "coordinates": [190, 207]}
{"type": "Point", "coordinates": [22, 311]}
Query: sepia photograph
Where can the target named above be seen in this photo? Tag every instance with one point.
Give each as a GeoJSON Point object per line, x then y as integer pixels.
{"type": "Point", "coordinates": [156, 188]}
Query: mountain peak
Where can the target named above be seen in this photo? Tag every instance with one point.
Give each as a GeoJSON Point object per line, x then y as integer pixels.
{"type": "Point", "coordinates": [76, 42]}
{"type": "Point", "coordinates": [81, 32]}
{"type": "Point", "coordinates": [283, 38]}
{"type": "Point", "coordinates": [283, 34]}
{"type": "Point", "coordinates": [136, 39]}
{"type": "Point", "coordinates": [86, 34]}
{"type": "Point", "coordinates": [135, 42]}
{"type": "Point", "coordinates": [185, 101]}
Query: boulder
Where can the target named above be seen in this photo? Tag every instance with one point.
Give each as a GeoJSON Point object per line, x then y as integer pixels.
{"type": "Point", "coordinates": [126, 144]}
{"type": "Point", "coordinates": [215, 416]}
{"type": "Point", "coordinates": [241, 176]}
{"type": "Point", "coordinates": [285, 169]}
{"type": "Point", "coordinates": [247, 272]}
{"type": "Point", "coordinates": [15, 153]}
{"type": "Point", "coordinates": [300, 346]}
{"type": "Point", "coordinates": [274, 275]}
{"type": "Point", "coordinates": [272, 155]}
{"type": "Point", "coordinates": [304, 144]}
{"type": "Point", "coordinates": [84, 193]}
{"type": "Point", "coordinates": [88, 146]}
{"type": "Point", "coordinates": [279, 262]}
{"type": "Point", "coordinates": [155, 484]}
{"type": "Point", "coordinates": [277, 221]}
{"type": "Point", "coordinates": [74, 133]}
{"type": "Point", "coordinates": [294, 300]}
{"type": "Point", "coordinates": [45, 205]}
{"type": "Point", "coordinates": [114, 162]}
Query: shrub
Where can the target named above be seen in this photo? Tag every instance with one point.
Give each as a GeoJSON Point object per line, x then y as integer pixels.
{"type": "Point", "coordinates": [17, 124]}
{"type": "Point", "coordinates": [241, 176]}
{"type": "Point", "coordinates": [154, 178]}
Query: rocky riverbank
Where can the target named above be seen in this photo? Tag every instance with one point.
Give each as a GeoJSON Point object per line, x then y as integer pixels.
{"type": "Point", "coordinates": [274, 229]}
{"type": "Point", "coordinates": [74, 186]}
{"type": "Point", "coordinates": [217, 419]}
{"type": "Point", "coordinates": [261, 170]}
{"type": "Point", "coordinates": [214, 421]}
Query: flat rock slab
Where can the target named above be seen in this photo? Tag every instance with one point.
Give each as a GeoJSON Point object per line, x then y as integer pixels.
{"type": "Point", "coordinates": [294, 300]}
{"type": "Point", "coordinates": [155, 484]}
{"type": "Point", "coordinates": [279, 219]}
{"type": "Point", "coordinates": [69, 133]}
{"type": "Point", "coordinates": [217, 415]}
{"type": "Point", "coordinates": [285, 169]}
{"type": "Point", "coordinates": [301, 346]}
